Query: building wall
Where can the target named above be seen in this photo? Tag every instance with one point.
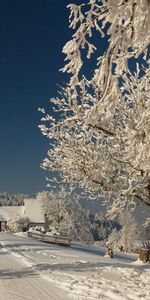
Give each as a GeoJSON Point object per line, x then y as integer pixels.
{"type": "Point", "coordinates": [33, 209]}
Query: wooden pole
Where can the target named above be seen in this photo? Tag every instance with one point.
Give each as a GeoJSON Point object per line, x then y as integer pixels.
{"type": "Point", "coordinates": [144, 255]}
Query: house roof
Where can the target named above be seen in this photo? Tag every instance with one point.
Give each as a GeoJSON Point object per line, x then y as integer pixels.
{"type": "Point", "coordinates": [32, 209]}
{"type": "Point", "coordinates": [8, 212]}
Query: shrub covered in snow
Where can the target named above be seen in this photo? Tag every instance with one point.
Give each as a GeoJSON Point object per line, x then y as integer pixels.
{"type": "Point", "coordinates": [17, 224]}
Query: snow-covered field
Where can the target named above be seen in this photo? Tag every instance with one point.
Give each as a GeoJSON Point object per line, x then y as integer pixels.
{"type": "Point", "coordinates": [77, 273]}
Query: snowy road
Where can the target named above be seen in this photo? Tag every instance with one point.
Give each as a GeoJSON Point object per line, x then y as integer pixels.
{"type": "Point", "coordinates": [19, 281]}
{"type": "Point", "coordinates": [33, 270]}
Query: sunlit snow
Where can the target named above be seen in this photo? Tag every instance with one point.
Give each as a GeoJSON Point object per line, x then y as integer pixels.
{"type": "Point", "coordinates": [79, 272]}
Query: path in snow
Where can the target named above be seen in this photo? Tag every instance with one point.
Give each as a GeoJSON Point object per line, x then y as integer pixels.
{"type": "Point", "coordinates": [82, 273]}
{"type": "Point", "coordinates": [20, 282]}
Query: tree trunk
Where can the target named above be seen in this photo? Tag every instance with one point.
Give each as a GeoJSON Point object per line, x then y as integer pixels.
{"type": "Point", "coordinates": [110, 252]}
{"type": "Point", "coordinates": [144, 255]}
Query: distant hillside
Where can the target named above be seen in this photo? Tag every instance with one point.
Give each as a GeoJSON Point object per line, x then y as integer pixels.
{"type": "Point", "coordinates": [12, 200]}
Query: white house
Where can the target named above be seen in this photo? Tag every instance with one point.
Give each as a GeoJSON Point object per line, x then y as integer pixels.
{"type": "Point", "coordinates": [32, 209]}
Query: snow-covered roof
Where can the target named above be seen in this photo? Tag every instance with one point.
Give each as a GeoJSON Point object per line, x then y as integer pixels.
{"type": "Point", "coordinates": [8, 212]}
{"type": "Point", "coordinates": [32, 209]}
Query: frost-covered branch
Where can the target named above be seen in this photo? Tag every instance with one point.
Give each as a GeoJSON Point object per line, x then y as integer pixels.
{"type": "Point", "coordinates": [100, 126]}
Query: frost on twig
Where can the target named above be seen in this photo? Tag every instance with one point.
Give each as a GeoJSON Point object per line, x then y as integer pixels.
{"type": "Point", "coordinates": [100, 126]}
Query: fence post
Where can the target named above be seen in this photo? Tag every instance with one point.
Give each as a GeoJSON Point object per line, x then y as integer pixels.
{"type": "Point", "coordinates": [144, 255]}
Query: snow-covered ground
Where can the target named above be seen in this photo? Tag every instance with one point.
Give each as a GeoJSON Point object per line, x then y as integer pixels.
{"type": "Point", "coordinates": [44, 271]}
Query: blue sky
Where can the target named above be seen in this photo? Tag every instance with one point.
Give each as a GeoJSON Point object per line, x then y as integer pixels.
{"type": "Point", "coordinates": [32, 34]}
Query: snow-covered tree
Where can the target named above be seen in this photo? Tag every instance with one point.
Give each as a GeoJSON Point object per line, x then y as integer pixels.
{"type": "Point", "coordinates": [65, 214]}
{"type": "Point", "coordinates": [100, 127]}
{"type": "Point", "coordinates": [103, 226]}
{"type": "Point", "coordinates": [146, 231]}
{"type": "Point", "coordinates": [128, 237]}
{"type": "Point", "coordinates": [17, 224]}
{"type": "Point", "coordinates": [113, 240]}
{"type": "Point", "coordinates": [130, 233]}
{"type": "Point", "coordinates": [14, 199]}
